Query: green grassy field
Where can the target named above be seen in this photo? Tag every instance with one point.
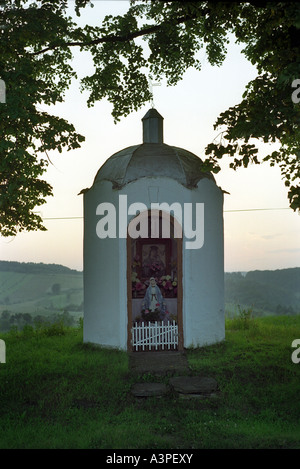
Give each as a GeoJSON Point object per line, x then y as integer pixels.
{"type": "Point", "coordinates": [57, 392]}
{"type": "Point", "coordinates": [34, 294]}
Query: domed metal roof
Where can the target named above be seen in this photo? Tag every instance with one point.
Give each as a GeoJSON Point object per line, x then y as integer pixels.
{"type": "Point", "coordinates": [152, 158]}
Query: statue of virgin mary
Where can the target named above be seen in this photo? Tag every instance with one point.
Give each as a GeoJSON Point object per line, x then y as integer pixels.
{"type": "Point", "coordinates": [153, 299]}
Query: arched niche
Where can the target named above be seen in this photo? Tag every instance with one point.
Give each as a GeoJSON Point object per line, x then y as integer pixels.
{"type": "Point", "coordinates": [150, 253]}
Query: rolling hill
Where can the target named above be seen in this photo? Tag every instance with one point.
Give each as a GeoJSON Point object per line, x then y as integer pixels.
{"type": "Point", "coordinates": [265, 291]}
{"type": "Point", "coordinates": [37, 290]}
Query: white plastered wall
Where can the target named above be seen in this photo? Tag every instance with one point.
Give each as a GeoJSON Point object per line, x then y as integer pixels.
{"type": "Point", "coordinates": [105, 264]}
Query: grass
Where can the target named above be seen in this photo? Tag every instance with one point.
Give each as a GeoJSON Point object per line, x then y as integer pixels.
{"type": "Point", "coordinates": [57, 392]}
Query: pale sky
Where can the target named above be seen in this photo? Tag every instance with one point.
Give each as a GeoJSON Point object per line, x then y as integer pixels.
{"type": "Point", "coordinates": [261, 239]}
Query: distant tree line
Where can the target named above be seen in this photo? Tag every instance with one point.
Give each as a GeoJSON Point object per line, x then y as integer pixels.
{"type": "Point", "coordinates": [9, 320]}
{"type": "Point", "coordinates": [276, 292]}
{"type": "Point", "coordinates": [36, 268]}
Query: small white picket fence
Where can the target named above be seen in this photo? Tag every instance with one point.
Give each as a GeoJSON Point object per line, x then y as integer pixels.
{"type": "Point", "coordinates": [155, 336]}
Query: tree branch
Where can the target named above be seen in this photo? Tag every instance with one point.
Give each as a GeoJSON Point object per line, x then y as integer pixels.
{"type": "Point", "coordinates": [126, 37]}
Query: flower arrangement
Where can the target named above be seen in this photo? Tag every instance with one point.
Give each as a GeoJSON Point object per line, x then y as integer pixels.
{"type": "Point", "coordinates": [168, 285]}
{"type": "Point", "coordinates": [151, 316]}
{"type": "Point", "coordinates": [157, 315]}
{"type": "Point", "coordinates": [136, 285]}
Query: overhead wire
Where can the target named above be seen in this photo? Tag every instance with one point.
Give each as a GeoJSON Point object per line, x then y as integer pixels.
{"type": "Point", "coordinates": [225, 211]}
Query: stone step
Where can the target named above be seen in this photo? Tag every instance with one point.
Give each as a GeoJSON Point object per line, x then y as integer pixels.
{"type": "Point", "coordinates": [185, 386]}
{"type": "Point", "coordinates": [194, 386]}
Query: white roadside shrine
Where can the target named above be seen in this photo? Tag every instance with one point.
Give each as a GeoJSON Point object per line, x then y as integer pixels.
{"type": "Point", "coordinates": [188, 263]}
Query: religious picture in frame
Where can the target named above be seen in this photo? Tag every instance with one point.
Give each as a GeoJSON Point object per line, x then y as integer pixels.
{"type": "Point", "coordinates": [155, 257]}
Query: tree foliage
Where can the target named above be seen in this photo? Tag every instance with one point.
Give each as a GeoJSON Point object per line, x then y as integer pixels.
{"type": "Point", "coordinates": [28, 133]}
{"type": "Point", "coordinates": [37, 39]}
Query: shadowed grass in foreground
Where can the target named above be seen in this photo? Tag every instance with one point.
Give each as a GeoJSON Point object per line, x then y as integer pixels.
{"type": "Point", "coordinates": [57, 392]}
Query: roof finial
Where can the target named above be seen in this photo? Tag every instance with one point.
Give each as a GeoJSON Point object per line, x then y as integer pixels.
{"type": "Point", "coordinates": [151, 84]}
